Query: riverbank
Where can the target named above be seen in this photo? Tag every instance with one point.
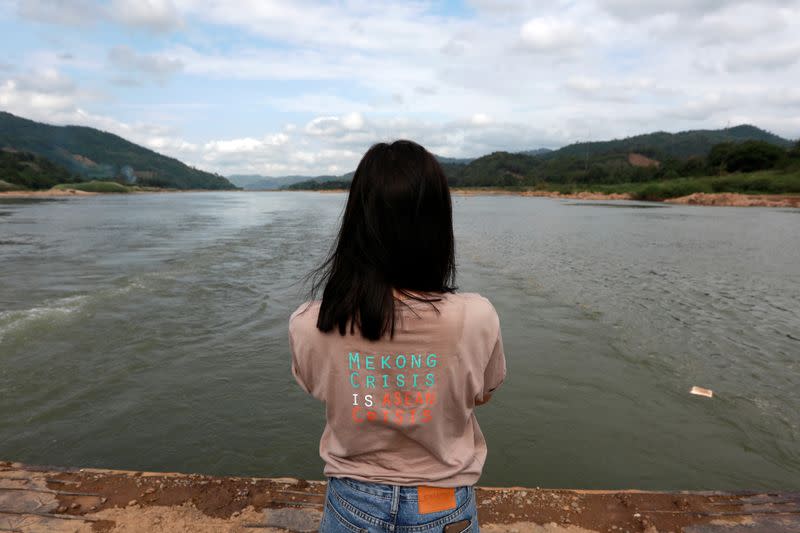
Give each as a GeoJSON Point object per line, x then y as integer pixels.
{"type": "Point", "coordinates": [53, 499]}
{"type": "Point", "coordinates": [582, 195]}
{"type": "Point", "coordinates": [766, 188]}
{"type": "Point", "coordinates": [67, 193]}
{"type": "Point", "coordinates": [705, 199]}
{"type": "Point", "coordinates": [737, 200]}
{"type": "Point", "coordinates": [48, 193]}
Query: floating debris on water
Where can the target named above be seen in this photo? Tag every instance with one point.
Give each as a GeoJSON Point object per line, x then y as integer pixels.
{"type": "Point", "coordinates": [700, 391]}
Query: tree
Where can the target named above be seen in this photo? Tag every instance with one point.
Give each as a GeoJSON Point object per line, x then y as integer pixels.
{"type": "Point", "coordinates": [747, 156]}
{"type": "Point", "coordinates": [597, 174]}
{"type": "Point", "coordinates": [718, 155]}
{"type": "Point", "coordinates": [750, 156]}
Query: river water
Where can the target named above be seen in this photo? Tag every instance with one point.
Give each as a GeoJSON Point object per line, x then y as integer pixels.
{"type": "Point", "coordinates": [149, 332]}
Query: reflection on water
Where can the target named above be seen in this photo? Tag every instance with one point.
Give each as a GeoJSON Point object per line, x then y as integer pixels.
{"type": "Point", "coordinates": [620, 205]}
{"type": "Point", "coordinates": [149, 331]}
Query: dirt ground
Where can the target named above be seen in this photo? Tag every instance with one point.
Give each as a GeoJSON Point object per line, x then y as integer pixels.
{"type": "Point", "coordinates": [56, 499]}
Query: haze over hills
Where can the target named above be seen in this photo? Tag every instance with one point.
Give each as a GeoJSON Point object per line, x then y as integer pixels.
{"type": "Point", "coordinates": [257, 182]}
{"type": "Point", "coordinates": [537, 151]}
{"type": "Point", "coordinates": [96, 154]}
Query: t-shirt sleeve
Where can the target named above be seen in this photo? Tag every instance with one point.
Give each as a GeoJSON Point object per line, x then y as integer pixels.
{"type": "Point", "coordinates": [494, 373]}
{"type": "Point", "coordinates": [297, 372]}
{"type": "Point", "coordinates": [302, 347]}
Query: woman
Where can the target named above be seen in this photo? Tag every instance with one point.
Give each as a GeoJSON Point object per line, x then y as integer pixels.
{"type": "Point", "coordinates": [398, 356]}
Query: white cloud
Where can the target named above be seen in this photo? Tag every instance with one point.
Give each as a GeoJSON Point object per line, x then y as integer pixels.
{"type": "Point", "coordinates": [353, 121]}
{"type": "Point", "coordinates": [705, 107]}
{"type": "Point", "coordinates": [171, 145]}
{"type": "Point", "coordinates": [637, 9]}
{"type": "Point", "coordinates": [551, 34]}
{"type": "Point", "coordinates": [740, 23]}
{"type": "Point", "coordinates": [786, 97]}
{"type": "Point", "coordinates": [337, 147]}
{"type": "Point", "coordinates": [772, 58]}
{"type": "Point", "coordinates": [481, 119]}
{"type": "Point", "coordinates": [333, 79]}
{"type": "Point", "coordinates": [246, 144]}
{"type": "Point", "coordinates": [46, 80]}
{"type": "Point", "coordinates": [49, 96]}
{"type": "Point", "coordinates": [71, 13]}
{"type": "Point", "coordinates": [332, 125]}
{"type": "Point", "coordinates": [389, 26]}
{"type": "Point", "coordinates": [618, 90]}
{"type": "Point", "coordinates": [153, 15]}
{"type": "Point", "coordinates": [155, 67]}
{"type": "Point", "coordinates": [314, 102]}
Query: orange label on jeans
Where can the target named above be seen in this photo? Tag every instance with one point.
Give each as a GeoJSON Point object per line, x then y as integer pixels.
{"type": "Point", "coordinates": [435, 499]}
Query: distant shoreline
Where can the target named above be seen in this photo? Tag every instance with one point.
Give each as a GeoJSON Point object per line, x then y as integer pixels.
{"type": "Point", "coordinates": [704, 199]}
{"type": "Point", "coordinates": [71, 193]}
{"type": "Point", "coordinates": [722, 199]}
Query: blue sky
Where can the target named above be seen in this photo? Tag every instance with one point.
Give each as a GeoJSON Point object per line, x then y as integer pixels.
{"type": "Point", "coordinates": [278, 88]}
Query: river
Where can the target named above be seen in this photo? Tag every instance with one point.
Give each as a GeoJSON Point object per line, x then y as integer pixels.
{"type": "Point", "coordinates": [148, 331]}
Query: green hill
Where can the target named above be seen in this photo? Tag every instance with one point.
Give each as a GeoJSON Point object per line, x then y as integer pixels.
{"type": "Point", "coordinates": [498, 168]}
{"type": "Point", "coordinates": [30, 171]}
{"type": "Point", "coordinates": [640, 158]}
{"type": "Point", "coordinates": [681, 145]}
{"type": "Point", "coordinates": [97, 154]}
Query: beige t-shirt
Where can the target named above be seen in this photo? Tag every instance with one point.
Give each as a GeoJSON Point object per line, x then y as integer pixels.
{"type": "Point", "coordinates": [400, 411]}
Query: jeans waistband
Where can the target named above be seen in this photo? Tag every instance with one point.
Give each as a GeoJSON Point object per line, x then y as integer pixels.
{"type": "Point", "coordinates": [384, 490]}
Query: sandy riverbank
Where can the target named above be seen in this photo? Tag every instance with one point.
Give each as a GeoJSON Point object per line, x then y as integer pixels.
{"type": "Point", "coordinates": [583, 195]}
{"type": "Point", "coordinates": [56, 499]}
{"type": "Point", "coordinates": [714, 199]}
{"type": "Point", "coordinates": [62, 193]}
{"type": "Point", "coordinates": [50, 193]}
{"type": "Point", "coordinates": [738, 200]}
{"type": "Point", "coordinates": [705, 199]}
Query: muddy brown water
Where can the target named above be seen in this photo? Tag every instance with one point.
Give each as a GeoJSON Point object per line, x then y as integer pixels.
{"type": "Point", "coordinates": [149, 332]}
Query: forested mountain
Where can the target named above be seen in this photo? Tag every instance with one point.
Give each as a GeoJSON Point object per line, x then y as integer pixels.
{"type": "Point", "coordinates": [96, 154]}
{"type": "Point", "coordinates": [38, 154]}
{"type": "Point", "coordinates": [499, 168]}
{"type": "Point", "coordinates": [661, 144]}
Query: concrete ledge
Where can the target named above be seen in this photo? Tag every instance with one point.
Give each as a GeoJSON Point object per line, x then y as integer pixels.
{"type": "Point", "coordinates": [57, 499]}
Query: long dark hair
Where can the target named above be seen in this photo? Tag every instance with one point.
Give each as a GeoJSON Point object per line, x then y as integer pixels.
{"type": "Point", "coordinates": [396, 234]}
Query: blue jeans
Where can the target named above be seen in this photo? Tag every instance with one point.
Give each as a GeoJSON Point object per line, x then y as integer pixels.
{"type": "Point", "coordinates": [353, 506]}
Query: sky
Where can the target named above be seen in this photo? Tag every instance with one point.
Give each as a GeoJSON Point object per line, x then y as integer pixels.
{"type": "Point", "coordinates": [299, 87]}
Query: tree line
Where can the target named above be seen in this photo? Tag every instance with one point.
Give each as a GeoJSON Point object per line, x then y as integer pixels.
{"type": "Point", "coordinates": [503, 169]}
